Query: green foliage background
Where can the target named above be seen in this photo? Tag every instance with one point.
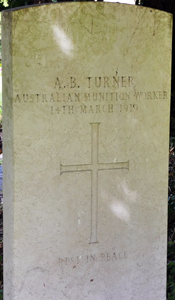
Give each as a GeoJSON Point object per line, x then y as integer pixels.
{"type": "Point", "coordinates": [6, 4]}
{"type": "Point", "coordinates": [171, 226]}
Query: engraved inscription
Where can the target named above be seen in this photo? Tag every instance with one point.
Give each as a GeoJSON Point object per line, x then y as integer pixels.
{"type": "Point", "coordinates": [93, 109]}
{"type": "Point", "coordinates": [116, 94]}
{"type": "Point", "coordinates": [113, 97]}
{"type": "Point", "coordinates": [110, 81]}
{"type": "Point", "coordinates": [72, 83]}
{"type": "Point", "coordinates": [94, 167]}
{"type": "Point", "coordinates": [101, 81]}
{"type": "Point", "coordinates": [92, 258]}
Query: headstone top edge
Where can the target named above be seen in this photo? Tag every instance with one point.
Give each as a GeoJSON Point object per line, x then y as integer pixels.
{"type": "Point", "coordinates": [84, 3]}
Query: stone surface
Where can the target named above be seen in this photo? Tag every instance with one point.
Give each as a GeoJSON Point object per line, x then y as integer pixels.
{"type": "Point", "coordinates": [86, 92]}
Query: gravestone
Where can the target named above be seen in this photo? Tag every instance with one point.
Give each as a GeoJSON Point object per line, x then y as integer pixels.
{"type": "Point", "coordinates": [86, 100]}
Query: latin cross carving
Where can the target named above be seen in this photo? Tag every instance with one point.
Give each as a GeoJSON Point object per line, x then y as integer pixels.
{"type": "Point", "coordinates": [94, 167]}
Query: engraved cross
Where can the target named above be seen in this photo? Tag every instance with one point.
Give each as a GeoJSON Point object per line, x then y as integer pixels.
{"type": "Point", "coordinates": [94, 168]}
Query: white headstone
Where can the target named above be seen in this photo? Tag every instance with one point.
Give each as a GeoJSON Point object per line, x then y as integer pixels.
{"type": "Point", "coordinates": [86, 99]}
